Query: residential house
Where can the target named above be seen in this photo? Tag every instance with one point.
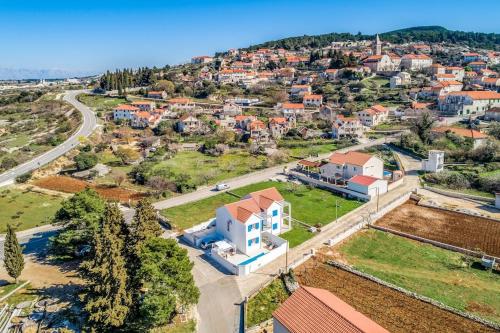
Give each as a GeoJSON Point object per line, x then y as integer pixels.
{"type": "Point", "coordinates": [258, 131]}
{"type": "Point", "coordinates": [278, 126]}
{"type": "Point", "coordinates": [292, 110]}
{"type": "Point", "coordinates": [188, 124]}
{"type": "Point", "coordinates": [491, 83]}
{"type": "Point", "coordinates": [330, 74]}
{"type": "Point", "coordinates": [471, 56]}
{"type": "Point", "coordinates": [202, 60]}
{"type": "Point", "coordinates": [458, 72]}
{"type": "Point", "coordinates": [231, 109]}
{"type": "Point", "coordinates": [416, 62]}
{"type": "Point", "coordinates": [468, 102]}
{"type": "Point", "coordinates": [157, 94]}
{"type": "Point", "coordinates": [347, 165]}
{"type": "Point", "coordinates": [242, 121]}
{"type": "Point", "coordinates": [444, 77]}
{"type": "Point", "coordinates": [231, 75]}
{"type": "Point", "coordinates": [244, 222]}
{"type": "Point", "coordinates": [181, 103]}
{"type": "Point", "coordinates": [318, 310]}
{"type": "Point", "coordinates": [310, 100]}
{"type": "Point", "coordinates": [401, 79]}
{"type": "Point", "coordinates": [374, 115]}
{"type": "Point", "coordinates": [477, 137]}
{"type": "Point", "coordinates": [437, 69]}
{"type": "Point", "coordinates": [124, 111]}
{"type": "Point", "coordinates": [477, 66]}
{"type": "Point", "coordinates": [492, 114]}
{"type": "Point", "coordinates": [145, 119]}
{"type": "Point", "coordinates": [347, 127]}
{"type": "Point", "coordinates": [367, 185]}
{"type": "Point", "coordinates": [445, 87]}
{"type": "Point", "coordinates": [147, 106]}
{"type": "Point", "coordinates": [300, 89]}
{"type": "Point", "coordinates": [435, 162]}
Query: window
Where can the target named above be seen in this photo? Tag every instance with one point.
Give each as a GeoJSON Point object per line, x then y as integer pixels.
{"type": "Point", "coordinates": [229, 225]}
{"type": "Point", "coordinates": [250, 227]}
{"type": "Point", "coordinates": [256, 226]}
{"type": "Point", "coordinates": [275, 212]}
{"type": "Point", "coordinates": [275, 226]}
{"type": "Point", "coordinates": [257, 240]}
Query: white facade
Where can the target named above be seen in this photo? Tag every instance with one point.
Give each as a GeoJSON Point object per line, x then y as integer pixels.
{"type": "Point", "coordinates": [435, 162]}
{"type": "Point", "coordinates": [348, 167]}
{"type": "Point", "coordinates": [416, 62]}
{"type": "Point", "coordinates": [377, 187]}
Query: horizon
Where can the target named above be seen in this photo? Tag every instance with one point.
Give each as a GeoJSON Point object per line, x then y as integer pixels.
{"type": "Point", "coordinates": [75, 37]}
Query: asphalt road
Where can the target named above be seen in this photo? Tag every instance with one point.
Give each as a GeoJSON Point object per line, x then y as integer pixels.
{"type": "Point", "coordinates": [89, 123]}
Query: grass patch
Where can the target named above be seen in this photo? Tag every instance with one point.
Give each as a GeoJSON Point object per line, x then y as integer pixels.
{"type": "Point", "coordinates": [25, 209]}
{"type": "Point", "coordinates": [262, 305]}
{"type": "Point", "coordinates": [188, 327]}
{"type": "Point", "coordinates": [101, 103]}
{"type": "Point", "coordinates": [24, 294]}
{"type": "Point", "coordinates": [310, 205]}
{"type": "Point", "coordinates": [427, 270]}
{"type": "Point", "coordinates": [470, 191]}
{"type": "Point", "coordinates": [7, 288]}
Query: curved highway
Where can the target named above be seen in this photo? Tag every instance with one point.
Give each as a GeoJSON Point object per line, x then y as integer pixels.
{"type": "Point", "coordinates": [89, 123]}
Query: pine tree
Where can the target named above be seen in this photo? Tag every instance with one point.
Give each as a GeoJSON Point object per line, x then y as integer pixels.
{"type": "Point", "coordinates": [13, 254]}
{"type": "Point", "coordinates": [107, 300]}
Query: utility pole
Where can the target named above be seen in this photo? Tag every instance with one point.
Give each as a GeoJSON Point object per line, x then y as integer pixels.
{"type": "Point", "coordinates": [336, 211]}
{"type": "Point", "coordinates": [286, 258]}
{"type": "Point", "coordinates": [378, 197]}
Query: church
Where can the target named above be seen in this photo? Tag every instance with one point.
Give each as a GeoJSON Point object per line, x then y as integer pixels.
{"type": "Point", "coordinates": [379, 62]}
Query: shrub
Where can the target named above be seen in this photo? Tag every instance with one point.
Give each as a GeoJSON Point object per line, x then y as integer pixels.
{"type": "Point", "coordinates": [85, 160]}
{"type": "Point", "coordinates": [23, 178]}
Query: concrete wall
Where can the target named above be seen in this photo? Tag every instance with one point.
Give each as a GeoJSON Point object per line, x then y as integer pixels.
{"type": "Point", "coordinates": [459, 195]}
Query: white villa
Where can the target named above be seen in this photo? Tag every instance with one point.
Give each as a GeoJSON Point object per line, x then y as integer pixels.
{"type": "Point", "coordinates": [247, 231]}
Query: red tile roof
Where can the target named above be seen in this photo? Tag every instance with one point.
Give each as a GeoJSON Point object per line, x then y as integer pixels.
{"type": "Point", "coordinates": [351, 157]}
{"type": "Point", "coordinates": [126, 107]}
{"type": "Point", "coordinates": [292, 105]}
{"type": "Point", "coordinates": [464, 132]}
{"type": "Point", "coordinates": [254, 203]}
{"type": "Point", "coordinates": [363, 180]}
{"type": "Point", "coordinates": [179, 100]}
{"type": "Point", "coordinates": [478, 95]}
{"type": "Point", "coordinates": [310, 310]}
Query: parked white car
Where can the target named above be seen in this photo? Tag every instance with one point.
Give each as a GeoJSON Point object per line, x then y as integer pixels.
{"type": "Point", "coordinates": [221, 187]}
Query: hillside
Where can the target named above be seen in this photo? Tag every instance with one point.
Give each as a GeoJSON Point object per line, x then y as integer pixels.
{"type": "Point", "coordinates": [422, 34]}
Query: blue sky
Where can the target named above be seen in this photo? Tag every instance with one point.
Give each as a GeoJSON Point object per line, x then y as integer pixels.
{"type": "Point", "coordinates": [97, 35]}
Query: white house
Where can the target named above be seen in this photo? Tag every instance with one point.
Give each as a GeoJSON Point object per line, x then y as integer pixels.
{"type": "Point", "coordinates": [367, 185]}
{"type": "Point", "coordinates": [347, 127]}
{"type": "Point", "coordinates": [313, 100]}
{"type": "Point", "coordinates": [379, 63]}
{"type": "Point", "coordinates": [492, 114]}
{"type": "Point", "coordinates": [147, 106]}
{"type": "Point", "coordinates": [352, 163]}
{"type": "Point", "coordinates": [181, 103]}
{"type": "Point", "coordinates": [468, 102]}
{"type": "Point", "coordinates": [401, 79]}
{"type": "Point", "coordinates": [374, 115]}
{"type": "Point", "coordinates": [124, 111]}
{"type": "Point", "coordinates": [300, 89]}
{"type": "Point", "coordinates": [416, 62]}
{"type": "Point", "coordinates": [292, 110]}
{"type": "Point", "coordinates": [188, 124]}
{"type": "Point", "coordinates": [435, 162]}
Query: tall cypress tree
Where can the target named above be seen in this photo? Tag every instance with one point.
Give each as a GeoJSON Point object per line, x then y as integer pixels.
{"type": "Point", "coordinates": [107, 300]}
{"type": "Point", "coordinates": [13, 254]}
{"type": "Point", "coordinates": [144, 227]}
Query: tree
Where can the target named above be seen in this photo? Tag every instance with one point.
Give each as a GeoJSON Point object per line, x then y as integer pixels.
{"type": "Point", "coordinates": [166, 86]}
{"type": "Point", "coordinates": [166, 272]}
{"type": "Point", "coordinates": [127, 155]}
{"type": "Point", "coordinates": [422, 126]}
{"type": "Point", "coordinates": [107, 299]}
{"type": "Point", "coordinates": [119, 177]}
{"type": "Point", "coordinates": [85, 160]}
{"type": "Point", "coordinates": [494, 130]}
{"type": "Point", "coordinates": [13, 254]}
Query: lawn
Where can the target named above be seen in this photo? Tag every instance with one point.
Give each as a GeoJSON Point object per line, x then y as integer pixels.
{"type": "Point", "coordinates": [470, 191]}
{"type": "Point", "coordinates": [204, 169]}
{"type": "Point", "coordinates": [427, 270]}
{"type": "Point", "coordinates": [25, 209]}
{"type": "Point", "coordinates": [101, 103]}
{"type": "Point", "coordinates": [309, 205]}
{"type": "Point", "coordinates": [261, 306]}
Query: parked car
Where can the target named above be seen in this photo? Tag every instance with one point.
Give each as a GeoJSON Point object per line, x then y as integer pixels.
{"type": "Point", "coordinates": [221, 187]}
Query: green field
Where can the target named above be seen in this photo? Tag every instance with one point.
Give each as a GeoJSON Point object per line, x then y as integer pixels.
{"type": "Point", "coordinates": [310, 205]}
{"type": "Point", "coordinates": [205, 169]}
{"type": "Point", "coordinates": [101, 103]}
{"type": "Point", "coordinates": [25, 209]}
{"type": "Point", "coordinates": [427, 270]}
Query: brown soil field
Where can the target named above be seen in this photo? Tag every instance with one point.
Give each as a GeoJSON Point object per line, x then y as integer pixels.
{"type": "Point", "coordinates": [72, 185]}
{"type": "Point", "coordinates": [470, 232]}
{"type": "Point", "coordinates": [391, 309]}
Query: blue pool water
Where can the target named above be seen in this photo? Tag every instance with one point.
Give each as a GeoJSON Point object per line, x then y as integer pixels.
{"type": "Point", "coordinates": [246, 262]}
{"type": "Point", "coordinates": [387, 173]}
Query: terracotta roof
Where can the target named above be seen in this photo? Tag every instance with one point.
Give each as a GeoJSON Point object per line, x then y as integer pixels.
{"type": "Point", "coordinates": [179, 100]}
{"type": "Point", "coordinates": [142, 102]}
{"type": "Point", "coordinates": [243, 117]}
{"type": "Point", "coordinates": [445, 76]}
{"type": "Point", "coordinates": [351, 157]}
{"type": "Point", "coordinates": [292, 106]}
{"type": "Point", "coordinates": [313, 96]}
{"type": "Point", "coordinates": [310, 310]}
{"type": "Point", "coordinates": [257, 124]}
{"type": "Point", "coordinates": [126, 107]}
{"type": "Point", "coordinates": [278, 120]}
{"type": "Point", "coordinates": [416, 56]}
{"type": "Point", "coordinates": [253, 203]}
{"type": "Point", "coordinates": [309, 163]}
{"type": "Point", "coordinates": [464, 132]}
{"type": "Point", "coordinates": [418, 105]}
{"type": "Point", "coordinates": [478, 95]}
{"type": "Point", "coordinates": [494, 110]}
{"type": "Point", "coordinates": [378, 108]}
{"type": "Point", "coordinates": [363, 180]}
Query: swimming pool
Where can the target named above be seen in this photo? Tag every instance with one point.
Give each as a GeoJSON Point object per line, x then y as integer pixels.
{"type": "Point", "coordinates": [248, 261]}
{"type": "Point", "coordinates": [387, 173]}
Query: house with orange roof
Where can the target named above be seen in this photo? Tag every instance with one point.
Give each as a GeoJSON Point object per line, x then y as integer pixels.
{"type": "Point", "coordinates": [188, 124]}
{"type": "Point", "coordinates": [330, 74]}
{"type": "Point", "coordinates": [373, 115]}
{"type": "Point", "coordinates": [379, 63]}
{"type": "Point", "coordinates": [347, 127]}
{"type": "Point", "coordinates": [291, 111]}
{"type": "Point", "coordinates": [438, 69]}
{"type": "Point", "coordinates": [300, 89]}
{"type": "Point", "coordinates": [124, 112]}
{"type": "Point", "coordinates": [312, 100]}
{"type": "Point", "coordinates": [147, 106]}
{"type": "Point", "coordinates": [491, 83]}
{"type": "Point", "coordinates": [181, 103]}
{"type": "Point", "coordinates": [471, 56]}
{"type": "Point", "coordinates": [157, 94]}
{"type": "Point", "coordinates": [458, 72]}
{"type": "Point", "coordinates": [279, 126]}
{"type": "Point", "coordinates": [416, 62]}
{"type": "Point", "coordinates": [231, 75]}
{"type": "Point", "coordinates": [202, 59]}
{"type": "Point", "coordinates": [318, 310]}
{"type": "Point", "coordinates": [347, 165]}
{"type": "Point", "coordinates": [145, 119]}
{"type": "Point", "coordinates": [492, 114]}
{"type": "Point", "coordinates": [248, 231]}
{"type": "Point", "coordinates": [468, 102]}
{"type": "Point", "coordinates": [478, 138]}
{"type": "Point", "coordinates": [243, 120]}
{"type": "Point", "coordinates": [477, 66]}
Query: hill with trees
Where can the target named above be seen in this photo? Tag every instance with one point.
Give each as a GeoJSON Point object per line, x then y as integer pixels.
{"type": "Point", "coordinates": [430, 34]}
